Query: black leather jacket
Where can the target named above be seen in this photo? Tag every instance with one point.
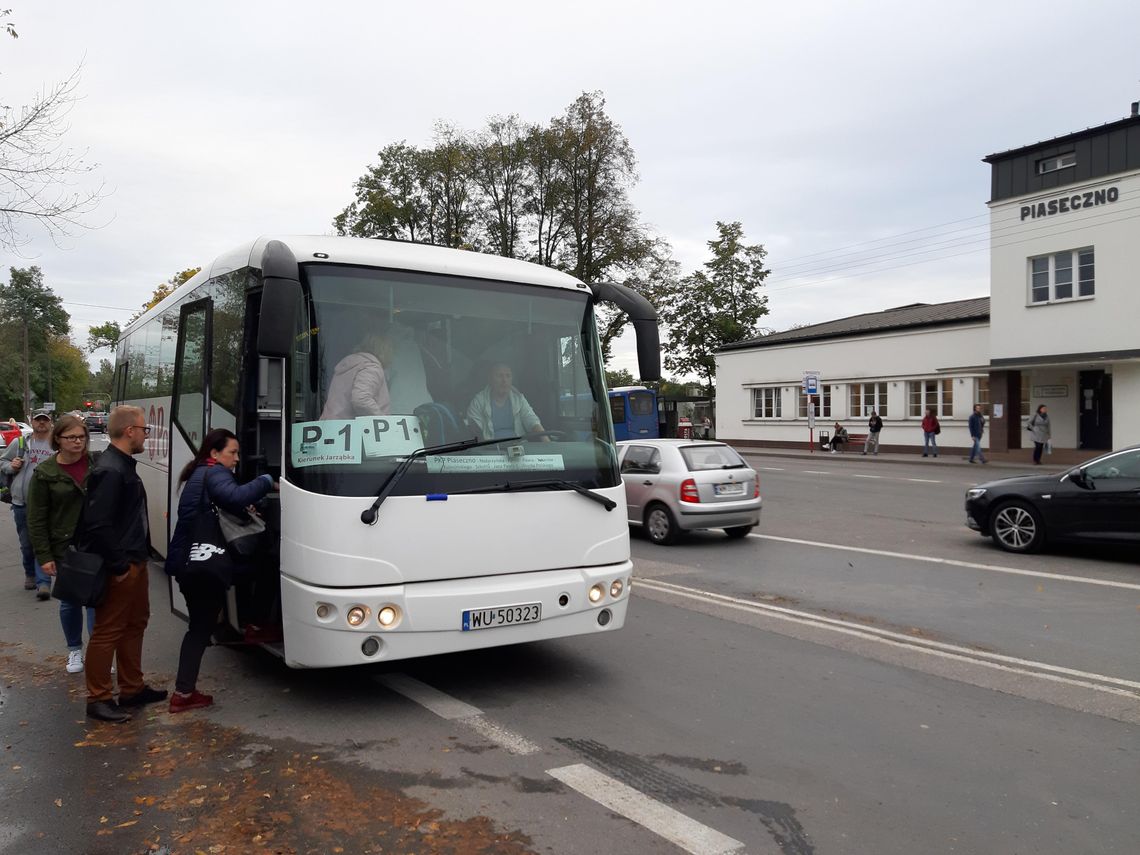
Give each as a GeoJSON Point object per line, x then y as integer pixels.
{"type": "Point", "coordinates": [114, 523]}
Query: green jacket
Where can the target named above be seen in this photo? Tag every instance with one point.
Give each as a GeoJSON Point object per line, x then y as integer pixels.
{"type": "Point", "coordinates": [54, 504]}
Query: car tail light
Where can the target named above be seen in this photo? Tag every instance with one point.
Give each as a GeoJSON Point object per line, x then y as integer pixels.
{"type": "Point", "coordinates": [756, 491]}
{"type": "Point", "coordinates": [689, 491]}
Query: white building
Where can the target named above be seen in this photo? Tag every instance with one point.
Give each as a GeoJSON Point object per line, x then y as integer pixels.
{"type": "Point", "coordinates": [1061, 327]}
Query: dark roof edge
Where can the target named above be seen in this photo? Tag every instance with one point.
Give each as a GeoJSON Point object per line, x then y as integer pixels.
{"type": "Point", "coordinates": [946, 322]}
{"type": "Point", "coordinates": [1073, 137]}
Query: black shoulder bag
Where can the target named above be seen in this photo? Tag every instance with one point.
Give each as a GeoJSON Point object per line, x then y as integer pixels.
{"type": "Point", "coordinates": [208, 554]}
{"type": "Point", "coordinates": [80, 577]}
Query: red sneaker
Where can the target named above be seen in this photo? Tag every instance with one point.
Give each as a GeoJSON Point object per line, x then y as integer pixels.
{"type": "Point", "coordinates": [193, 701]}
{"type": "Point", "coordinates": [262, 634]}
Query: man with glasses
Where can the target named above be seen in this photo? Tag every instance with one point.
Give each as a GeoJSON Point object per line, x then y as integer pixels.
{"type": "Point", "coordinates": [20, 460]}
{"type": "Point", "coordinates": [114, 525]}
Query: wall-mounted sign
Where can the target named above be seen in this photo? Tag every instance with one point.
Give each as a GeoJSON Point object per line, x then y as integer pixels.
{"type": "Point", "coordinates": [1059, 391]}
{"type": "Point", "coordinates": [1065, 204]}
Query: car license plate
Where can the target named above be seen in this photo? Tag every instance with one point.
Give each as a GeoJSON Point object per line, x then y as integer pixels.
{"type": "Point", "coordinates": [728, 489]}
{"type": "Point", "coordinates": [501, 616]}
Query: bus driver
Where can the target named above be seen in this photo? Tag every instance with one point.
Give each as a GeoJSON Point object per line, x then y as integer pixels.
{"type": "Point", "coordinates": [500, 410]}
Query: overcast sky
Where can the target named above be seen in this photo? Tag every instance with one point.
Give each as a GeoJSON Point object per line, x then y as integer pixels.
{"type": "Point", "coordinates": [827, 129]}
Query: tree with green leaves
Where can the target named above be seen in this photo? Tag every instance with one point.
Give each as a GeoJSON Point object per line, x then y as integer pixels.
{"type": "Point", "coordinates": [104, 335]}
{"type": "Point", "coordinates": [502, 175]}
{"type": "Point", "coordinates": [715, 306]}
{"type": "Point", "coordinates": [33, 315]}
{"type": "Point", "coordinates": [619, 377]}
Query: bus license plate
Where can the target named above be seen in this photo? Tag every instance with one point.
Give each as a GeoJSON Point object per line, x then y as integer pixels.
{"type": "Point", "coordinates": [501, 616]}
{"type": "Point", "coordinates": [728, 489]}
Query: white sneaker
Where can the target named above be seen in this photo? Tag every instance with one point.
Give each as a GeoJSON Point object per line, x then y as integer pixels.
{"type": "Point", "coordinates": [74, 661]}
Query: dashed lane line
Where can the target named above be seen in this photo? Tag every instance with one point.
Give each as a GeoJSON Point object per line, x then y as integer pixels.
{"type": "Point", "coordinates": [815, 472]}
{"type": "Point", "coordinates": [923, 480]}
{"type": "Point", "coordinates": [620, 798]}
{"type": "Point", "coordinates": [1010, 664]}
{"type": "Point", "coordinates": [952, 562]}
{"type": "Point", "coordinates": [453, 709]}
{"type": "Point", "coordinates": [868, 476]}
{"type": "Point", "coordinates": [661, 819]}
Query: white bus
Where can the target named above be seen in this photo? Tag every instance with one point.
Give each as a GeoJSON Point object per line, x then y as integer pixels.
{"type": "Point", "coordinates": [406, 534]}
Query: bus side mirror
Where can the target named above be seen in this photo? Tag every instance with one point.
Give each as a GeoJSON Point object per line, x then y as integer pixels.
{"type": "Point", "coordinates": [644, 319]}
{"type": "Point", "coordinates": [278, 324]}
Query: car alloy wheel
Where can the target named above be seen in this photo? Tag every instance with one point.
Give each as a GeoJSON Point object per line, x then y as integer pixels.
{"type": "Point", "coordinates": [1017, 528]}
{"type": "Point", "coordinates": [660, 526]}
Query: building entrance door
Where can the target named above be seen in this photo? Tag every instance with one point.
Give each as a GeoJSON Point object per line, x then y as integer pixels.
{"type": "Point", "coordinates": [1095, 404]}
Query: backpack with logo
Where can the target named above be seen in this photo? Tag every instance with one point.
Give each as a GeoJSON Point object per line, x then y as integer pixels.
{"type": "Point", "coordinates": [208, 555]}
{"type": "Point", "coordinates": [6, 480]}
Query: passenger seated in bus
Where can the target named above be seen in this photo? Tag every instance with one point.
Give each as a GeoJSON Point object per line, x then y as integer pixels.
{"type": "Point", "coordinates": [360, 385]}
{"type": "Point", "coordinates": [500, 410]}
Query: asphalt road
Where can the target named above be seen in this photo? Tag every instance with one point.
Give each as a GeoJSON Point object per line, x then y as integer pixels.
{"type": "Point", "coordinates": [775, 694]}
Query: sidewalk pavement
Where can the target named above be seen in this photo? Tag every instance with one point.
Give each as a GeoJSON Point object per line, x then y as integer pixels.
{"type": "Point", "coordinates": [1062, 458]}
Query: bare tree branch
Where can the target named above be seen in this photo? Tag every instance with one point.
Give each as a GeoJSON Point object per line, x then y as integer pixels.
{"type": "Point", "coordinates": [38, 173]}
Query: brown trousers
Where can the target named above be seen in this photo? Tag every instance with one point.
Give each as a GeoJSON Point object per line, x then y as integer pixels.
{"type": "Point", "coordinates": [118, 636]}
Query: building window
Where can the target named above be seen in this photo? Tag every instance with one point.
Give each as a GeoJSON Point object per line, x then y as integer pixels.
{"type": "Point", "coordinates": [935, 395]}
{"type": "Point", "coordinates": [1052, 277]}
{"type": "Point", "coordinates": [1053, 164]}
{"type": "Point", "coordinates": [982, 394]}
{"type": "Point", "coordinates": [868, 397]}
{"type": "Point", "coordinates": [766, 403]}
{"type": "Point", "coordinates": [822, 403]}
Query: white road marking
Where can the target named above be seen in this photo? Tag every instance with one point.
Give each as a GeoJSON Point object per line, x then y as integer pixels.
{"type": "Point", "coordinates": [770, 468]}
{"type": "Point", "coordinates": [453, 709]}
{"type": "Point", "coordinates": [661, 819]}
{"type": "Point", "coordinates": [432, 699]}
{"type": "Point", "coordinates": [997, 661]}
{"type": "Point", "coordinates": [867, 476]}
{"type": "Point", "coordinates": [923, 480]}
{"type": "Point", "coordinates": [815, 472]}
{"type": "Point", "coordinates": [952, 562]}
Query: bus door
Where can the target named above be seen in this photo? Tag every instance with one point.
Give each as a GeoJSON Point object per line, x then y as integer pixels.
{"type": "Point", "coordinates": [190, 404]}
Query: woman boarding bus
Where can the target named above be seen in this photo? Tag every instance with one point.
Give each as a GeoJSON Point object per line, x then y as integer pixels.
{"type": "Point", "coordinates": [404, 533]}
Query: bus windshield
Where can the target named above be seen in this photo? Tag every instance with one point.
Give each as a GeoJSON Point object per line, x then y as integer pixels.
{"type": "Point", "coordinates": [387, 362]}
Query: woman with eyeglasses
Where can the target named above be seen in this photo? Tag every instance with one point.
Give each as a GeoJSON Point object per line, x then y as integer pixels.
{"type": "Point", "coordinates": [55, 498]}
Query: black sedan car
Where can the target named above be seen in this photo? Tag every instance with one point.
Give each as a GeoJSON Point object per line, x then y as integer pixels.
{"type": "Point", "coordinates": [1096, 501]}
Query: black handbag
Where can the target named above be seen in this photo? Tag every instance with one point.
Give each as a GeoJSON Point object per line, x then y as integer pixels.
{"type": "Point", "coordinates": [80, 578]}
{"type": "Point", "coordinates": [208, 554]}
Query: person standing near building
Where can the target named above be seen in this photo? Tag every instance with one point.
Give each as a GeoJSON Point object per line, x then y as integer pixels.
{"type": "Point", "coordinates": [1042, 431]}
{"type": "Point", "coordinates": [977, 428]}
{"type": "Point", "coordinates": [930, 429]}
{"type": "Point", "coordinates": [114, 526]}
{"type": "Point", "coordinates": [20, 461]}
{"type": "Point", "coordinates": [874, 425]}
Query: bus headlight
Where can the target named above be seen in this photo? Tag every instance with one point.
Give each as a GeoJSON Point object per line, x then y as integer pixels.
{"type": "Point", "coordinates": [357, 615]}
{"type": "Point", "coordinates": [388, 616]}
{"type": "Point", "coordinates": [596, 593]}
{"type": "Point", "coordinates": [616, 587]}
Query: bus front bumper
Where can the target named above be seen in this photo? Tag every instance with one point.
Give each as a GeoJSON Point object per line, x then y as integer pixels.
{"type": "Point", "coordinates": [431, 614]}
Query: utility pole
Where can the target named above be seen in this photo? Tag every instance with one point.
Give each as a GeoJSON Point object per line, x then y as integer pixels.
{"type": "Point", "coordinates": [27, 382]}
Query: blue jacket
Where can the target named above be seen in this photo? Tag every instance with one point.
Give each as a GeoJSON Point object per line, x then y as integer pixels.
{"type": "Point", "coordinates": [223, 490]}
{"type": "Point", "coordinates": [977, 425]}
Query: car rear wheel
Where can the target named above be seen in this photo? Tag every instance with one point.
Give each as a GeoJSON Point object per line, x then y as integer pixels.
{"type": "Point", "coordinates": [738, 531]}
{"type": "Point", "coordinates": [660, 525]}
{"type": "Point", "coordinates": [1017, 527]}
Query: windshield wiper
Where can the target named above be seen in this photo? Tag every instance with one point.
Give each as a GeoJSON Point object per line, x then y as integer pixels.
{"type": "Point", "coordinates": [368, 516]}
{"type": "Point", "coordinates": [539, 484]}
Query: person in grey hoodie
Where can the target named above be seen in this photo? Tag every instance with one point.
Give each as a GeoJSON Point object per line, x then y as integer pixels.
{"type": "Point", "coordinates": [359, 386]}
{"type": "Point", "coordinates": [1042, 431]}
{"type": "Point", "coordinates": [19, 461]}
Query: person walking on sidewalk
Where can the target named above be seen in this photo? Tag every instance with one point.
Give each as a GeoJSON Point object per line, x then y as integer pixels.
{"type": "Point", "coordinates": [1042, 431]}
{"type": "Point", "coordinates": [206, 480]}
{"type": "Point", "coordinates": [930, 429]}
{"type": "Point", "coordinates": [114, 525]}
{"type": "Point", "coordinates": [20, 460]}
{"type": "Point", "coordinates": [977, 428]}
{"type": "Point", "coordinates": [55, 498]}
{"type": "Point", "coordinates": [874, 425]}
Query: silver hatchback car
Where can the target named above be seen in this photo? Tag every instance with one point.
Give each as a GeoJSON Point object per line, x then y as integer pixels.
{"type": "Point", "coordinates": [678, 485]}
